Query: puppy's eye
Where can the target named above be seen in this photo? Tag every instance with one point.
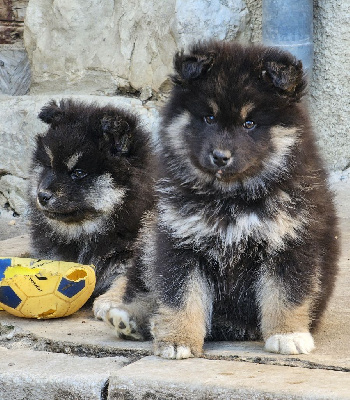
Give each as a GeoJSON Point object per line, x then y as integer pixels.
{"type": "Point", "coordinates": [78, 174]}
{"type": "Point", "coordinates": [210, 119]}
{"type": "Point", "coordinates": [249, 124]}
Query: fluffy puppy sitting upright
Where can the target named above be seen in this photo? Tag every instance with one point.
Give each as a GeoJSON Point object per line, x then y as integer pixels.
{"type": "Point", "coordinates": [91, 183]}
{"type": "Point", "coordinates": [245, 242]}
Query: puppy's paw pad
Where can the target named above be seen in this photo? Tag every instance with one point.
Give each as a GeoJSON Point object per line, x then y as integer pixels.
{"type": "Point", "coordinates": [171, 351]}
{"type": "Point", "coordinates": [123, 324]}
{"type": "Point", "coordinates": [290, 343]}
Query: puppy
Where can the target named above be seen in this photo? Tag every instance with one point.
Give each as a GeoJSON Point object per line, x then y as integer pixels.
{"type": "Point", "coordinates": [90, 185]}
{"type": "Point", "coordinates": [244, 245]}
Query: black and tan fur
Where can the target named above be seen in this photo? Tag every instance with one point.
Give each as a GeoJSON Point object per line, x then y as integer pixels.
{"type": "Point", "coordinates": [244, 244]}
{"type": "Point", "coordinates": [91, 183]}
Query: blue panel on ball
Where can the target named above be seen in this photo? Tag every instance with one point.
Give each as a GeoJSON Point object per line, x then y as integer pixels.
{"type": "Point", "coordinates": [9, 297]}
{"type": "Point", "coordinates": [70, 288]}
{"type": "Point", "coordinates": [4, 263]}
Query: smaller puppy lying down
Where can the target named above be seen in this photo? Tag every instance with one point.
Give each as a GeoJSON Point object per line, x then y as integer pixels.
{"type": "Point", "coordinates": [91, 183]}
{"type": "Point", "coordinates": [243, 245]}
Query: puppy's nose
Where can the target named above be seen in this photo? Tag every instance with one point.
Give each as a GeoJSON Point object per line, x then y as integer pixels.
{"type": "Point", "coordinates": [221, 157]}
{"type": "Point", "coordinates": [44, 197]}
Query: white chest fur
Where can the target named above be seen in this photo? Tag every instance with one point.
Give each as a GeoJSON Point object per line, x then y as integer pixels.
{"type": "Point", "coordinates": [197, 227]}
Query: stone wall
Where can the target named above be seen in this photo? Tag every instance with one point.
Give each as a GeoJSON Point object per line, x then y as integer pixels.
{"type": "Point", "coordinates": [119, 45]}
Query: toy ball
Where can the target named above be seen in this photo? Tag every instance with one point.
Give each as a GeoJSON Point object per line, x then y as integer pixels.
{"type": "Point", "coordinates": [44, 288]}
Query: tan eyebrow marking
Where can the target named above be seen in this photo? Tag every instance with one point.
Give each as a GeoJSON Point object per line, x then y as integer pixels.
{"type": "Point", "coordinates": [246, 109]}
{"type": "Point", "coordinates": [72, 161]}
{"type": "Point", "coordinates": [214, 106]}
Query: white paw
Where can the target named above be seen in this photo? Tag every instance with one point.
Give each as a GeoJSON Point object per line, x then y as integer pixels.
{"type": "Point", "coordinates": [124, 325]}
{"type": "Point", "coordinates": [101, 307]}
{"type": "Point", "coordinates": [171, 351]}
{"type": "Point", "coordinates": [290, 343]}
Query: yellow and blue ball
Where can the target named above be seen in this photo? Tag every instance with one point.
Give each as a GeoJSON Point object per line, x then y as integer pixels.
{"type": "Point", "coordinates": [44, 289]}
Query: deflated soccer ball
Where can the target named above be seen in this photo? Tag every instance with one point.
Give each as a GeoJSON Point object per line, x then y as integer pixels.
{"type": "Point", "coordinates": [44, 288]}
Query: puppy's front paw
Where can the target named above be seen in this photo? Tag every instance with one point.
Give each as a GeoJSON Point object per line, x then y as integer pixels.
{"type": "Point", "coordinates": [172, 351]}
{"type": "Point", "coordinates": [101, 307]}
{"type": "Point", "coordinates": [290, 343]}
{"type": "Point", "coordinates": [124, 325]}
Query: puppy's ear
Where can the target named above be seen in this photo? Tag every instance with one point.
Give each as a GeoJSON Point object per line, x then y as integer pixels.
{"type": "Point", "coordinates": [117, 134]}
{"type": "Point", "coordinates": [51, 113]}
{"type": "Point", "coordinates": [190, 67]}
{"type": "Point", "coordinates": [286, 76]}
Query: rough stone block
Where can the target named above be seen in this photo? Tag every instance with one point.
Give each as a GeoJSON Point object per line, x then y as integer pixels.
{"type": "Point", "coordinates": [14, 189]}
{"type": "Point", "coordinates": [131, 46]}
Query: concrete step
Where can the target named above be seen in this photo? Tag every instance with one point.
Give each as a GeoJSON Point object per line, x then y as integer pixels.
{"type": "Point", "coordinates": [42, 375]}
{"type": "Point", "coordinates": [198, 379]}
